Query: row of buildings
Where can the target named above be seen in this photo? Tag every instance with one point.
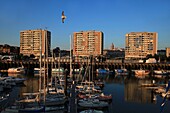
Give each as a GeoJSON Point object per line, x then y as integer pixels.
{"type": "Point", "coordinates": [85, 43]}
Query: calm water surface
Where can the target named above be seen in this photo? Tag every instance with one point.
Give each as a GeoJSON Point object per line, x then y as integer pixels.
{"type": "Point", "coordinates": [128, 95]}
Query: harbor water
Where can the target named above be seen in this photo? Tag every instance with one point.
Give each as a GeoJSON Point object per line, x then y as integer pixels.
{"type": "Point", "coordinates": [128, 94]}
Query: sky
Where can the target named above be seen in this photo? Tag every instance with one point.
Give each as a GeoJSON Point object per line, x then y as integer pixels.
{"type": "Point", "coordinates": [114, 18]}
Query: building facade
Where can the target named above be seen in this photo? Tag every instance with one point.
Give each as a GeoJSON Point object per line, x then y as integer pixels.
{"type": "Point", "coordinates": [30, 42]}
{"type": "Point", "coordinates": [167, 51]}
{"type": "Point", "coordinates": [140, 44]}
{"type": "Point", "coordinates": [86, 43]}
{"type": "Point", "coordinates": [112, 47]}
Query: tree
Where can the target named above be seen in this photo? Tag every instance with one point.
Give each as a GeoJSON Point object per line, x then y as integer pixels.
{"type": "Point", "coordinates": [26, 57]}
{"type": "Point", "coordinates": [19, 57]}
{"type": "Point", "coordinates": [168, 59]}
{"type": "Point", "coordinates": [156, 57]}
{"type": "Point", "coordinates": [149, 56]}
{"type": "Point", "coordinates": [32, 56]}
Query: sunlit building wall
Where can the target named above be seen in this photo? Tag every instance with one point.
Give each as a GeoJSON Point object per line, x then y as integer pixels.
{"type": "Point", "coordinates": [168, 51]}
{"type": "Point", "coordinates": [87, 43]}
{"type": "Point", "coordinates": [30, 42]}
{"type": "Point", "coordinates": [140, 44]}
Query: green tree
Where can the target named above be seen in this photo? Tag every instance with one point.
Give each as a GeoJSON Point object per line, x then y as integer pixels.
{"type": "Point", "coordinates": [19, 57]}
{"type": "Point", "coordinates": [156, 57]}
{"type": "Point", "coordinates": [32, 56]}
{"type": "Point", "coordinates": [149, 56]}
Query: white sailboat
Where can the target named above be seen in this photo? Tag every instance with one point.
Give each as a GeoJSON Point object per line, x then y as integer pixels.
{"type": "Point", "coordinates": [93, 103]}
{"type": "Point", "coordinates": [17, 70]}
{"type": "Point", "coordinates": [31, 101]}
{"type": "Point", "coordinates": [90, 94]}
{"type": "Point", "coordinates": [91, 111]}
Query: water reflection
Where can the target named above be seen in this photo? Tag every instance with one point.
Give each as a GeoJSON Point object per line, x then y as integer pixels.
{"type": "Point", "coordinates": [135, 93]}
{"type": "Point", "coordinates": [130, 94]}
{"type": "Point", "coordinates": [31, 85]}
{"type": "Point", "coordinates": [127, 92]}
{"type": "Point", "coordinates": [132, 89]}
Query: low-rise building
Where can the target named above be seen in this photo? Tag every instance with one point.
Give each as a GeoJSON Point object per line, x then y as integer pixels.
{"type": "Point", "coordinates": [118, 53]}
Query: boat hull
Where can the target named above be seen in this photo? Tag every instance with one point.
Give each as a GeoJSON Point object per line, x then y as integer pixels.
{"type": "Point", "coordinates": [18, 70]}
{"type": "Point", "coordinates": [32, 110]}
{"type": "Point", "coordinates": [141, 73]}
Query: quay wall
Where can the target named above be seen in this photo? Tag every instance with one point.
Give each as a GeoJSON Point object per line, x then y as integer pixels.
{"type": "Point", "coordinates": [111, 65]}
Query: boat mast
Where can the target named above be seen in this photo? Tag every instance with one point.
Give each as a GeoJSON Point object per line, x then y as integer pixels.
{"type": "Point", "coordinates": [47, 56]}
{"type": "Point", "coordinates": [44, 67]}
{"type": "Point", "coordinates": [52, 60]}
{"type": "Point", "coordinates": [59, 65]}
{"type": "Point", "coordinates": [70, 56]}
{"type": "Point", "coordinates": [40, 60]}
{"type": "Point", "coordinates": [55, 70]}
{"type": "Point", "coordinates": [91, 60]}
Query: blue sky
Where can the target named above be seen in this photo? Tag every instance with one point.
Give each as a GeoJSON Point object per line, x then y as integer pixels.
{"type": "Point", "coordinates": [114, 18]}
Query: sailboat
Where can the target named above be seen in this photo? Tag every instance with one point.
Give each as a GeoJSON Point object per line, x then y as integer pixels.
{"type": "Point", "coordinates": [50, 99]}
{"type": "Point", "coordinates": [16, 109]}
{"type": "Point", "coordinates": [91, 111]}
{"type": "Point", "coordinates": [57, 71]}
{"type": "Point", "coordinates": [89, 93]}
{"type": "Point", "coordinates": [141, 73]}
{"type": "Point", "coordinates": [39, 107]}
{"type": "Point", "coordinates": [40, 101]}
{"type": "Point", "coordinates": [30, 104]}
{"type": "Point", "coordinates": [55, 94]}
{"type": "Point", "coordinates": [122, 71]}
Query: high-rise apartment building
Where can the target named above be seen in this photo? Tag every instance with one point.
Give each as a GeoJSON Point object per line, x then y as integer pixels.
{"type": "Point", "coordinates": [30, 41]}
{"type": "Point", "coordinates": [87, 43]}
{"type": "Point", "coordinates": [140, 44]}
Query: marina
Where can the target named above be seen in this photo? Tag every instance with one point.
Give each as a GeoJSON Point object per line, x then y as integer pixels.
{"type": "Point", "coordinates": [84, 56]}
{"type": "Point", "coordinates": [129, 94]}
